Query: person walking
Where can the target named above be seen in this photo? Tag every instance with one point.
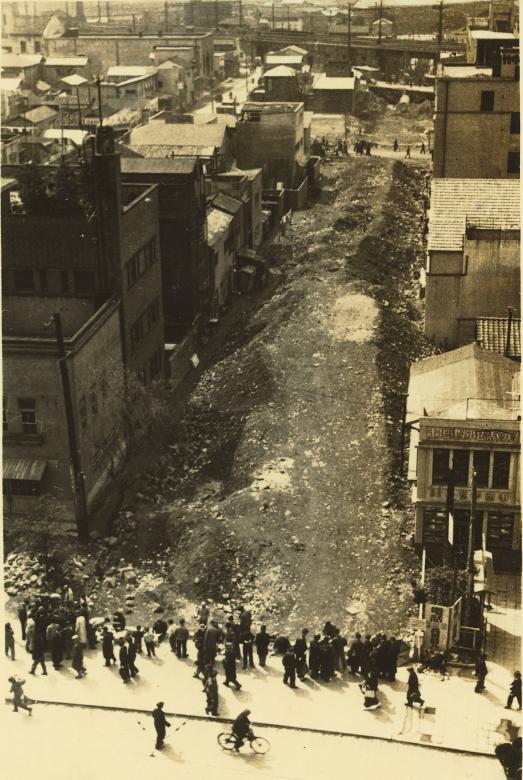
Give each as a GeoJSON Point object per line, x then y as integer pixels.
{"type": "Point", "coordinates": [22, 617]}
{"type": "Point", "coordinates": [160, 724]}
{"type": "Point", "coordinates": [124, 661]}
{"type": "Point", "coordinates": [515, 691]}
{"type": "Point", "coordinates": [229, 665]}
{"type": "Point", "coordinates": [29, 633]}
{"type": "Point", "coordinates": [160, 628]}
{"type": "Point", "coordinates": [300, 653]}
{"type": "Point", "coordinates": [171, 628]}
{"type": "Point", "coordinates": [181, 635]}
{"type": "Point", "coordinates": [413, 691]}
{"type": "Point", "coordinates": [326, 660]}
{"type": "Point", "coordinates": [315, 657]}
{"type": "Point", "coordinates": [67, 635]}
{"type": "Point", "coordinates": [80, 629]}
{"type": "Point", "coordinates": [391, 661]}
{"type": "Point", "coordinates": [481, 671]}
{"type": "Point", "coordinates": [38, 654]}
{"type": "Point", "coordinates": [57, 649]}
{"type": "Point", "coordinates": [211, 693]}
{"type": "Point", "coordinates": [77, 662]}
{"type": "Point", "coordinates": [108, 646]}
{"type": "Point", "coordinates": [203, 613]}
{"type": "Point", "coordinates": [338, 644]}
{"type": "Point", "coordinates": [395, 145]}
{"type": "Point", "coordinates": [9, 641]}
{"type": "Point", "coordinates": [149, 640]}
{"type": "Point", "coordinates": [19, 698]}
{"type": "Point", "coordinates": [407, 153]}
{"type": "Point", "coordinates": [246, 640]}
{"type": "Point", "coordinates": [262, 641]}
{"type": "Point", "coordinates": [131, 657]}
{"type": "Point", "coordinates": [289, 665]}
{"type": "Point", "coordinates": [198, 638]}
{"type": "Point", "coordinates": [210, 642]}
{"type": "Point", "coordinates": [422, 148]}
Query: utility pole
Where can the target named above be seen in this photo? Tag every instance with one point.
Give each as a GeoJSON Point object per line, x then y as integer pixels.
{"type": "Point", "coordinates": [349, 31]}
{"type": "Point", "coordinates": [216, 13]}
{"type": "Point", "coordinates": [99, 11]}
{"type": "Point", "coordinates": [380, 22]}
{"type": "Point", "coordinates": [100, 112]}
{"type": "Point", "coordinates": [288, 18]}
{"type": "Point", "coordinates": [273, 16]}
{"type": "Point", "coordinates": [108, 11]}
{"type": "Point", "coordinates": [241, 13]}
{"type": "Point", "coordinates": [440, 23]}
{"type": "Point", "coordinates": [470, 550]}
{"type": "Point", "coordinates": [166, 15]}
{"type": "Point", "coordinates": [80, 127]}
{"type": "Point", "coordinates": [509, 333]}
{"type": "Point", "coordinates": [74, 452]}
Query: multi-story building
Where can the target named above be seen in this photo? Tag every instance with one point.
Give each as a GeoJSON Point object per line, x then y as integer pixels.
{"type": "Point", "coordinates": [208, 13]}
{"type": "Point", "coordinates": [271, 136]}
{"type": "Point", "coordinates": [473, 256]}
{"type": "Point", "coordinates": [463, 413]}
{"type": "Point", "coordinates": [476, 121]}
{"type": "Point", "coordinates": [183, 249]}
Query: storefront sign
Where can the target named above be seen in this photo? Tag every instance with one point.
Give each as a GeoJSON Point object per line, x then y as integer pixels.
{"type": "Point", "coordinates": [471, 434]}
{"type": "Point", "coordinates": [463, 495]}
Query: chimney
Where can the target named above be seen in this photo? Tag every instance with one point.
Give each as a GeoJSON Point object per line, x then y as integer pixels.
{"type": "Point", "coordinates": [106, 173]}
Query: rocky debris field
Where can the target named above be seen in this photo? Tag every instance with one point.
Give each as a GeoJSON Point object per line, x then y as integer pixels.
{"type": "Point", "coordinates": [281, 490]}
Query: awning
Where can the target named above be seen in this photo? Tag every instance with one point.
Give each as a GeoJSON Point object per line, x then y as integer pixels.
{"type": "Point", "coordinates": [23, 468]}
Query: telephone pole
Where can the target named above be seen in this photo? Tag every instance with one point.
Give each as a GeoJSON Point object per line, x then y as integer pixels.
{"type": "Point", "coordinates": [379, 22]}
{"type": "Point", "coordinates": [440, 23]}
{"type": "Point", "coordinates": [470, 549]}
{"type": "Point", "coordinates": [349, 33]}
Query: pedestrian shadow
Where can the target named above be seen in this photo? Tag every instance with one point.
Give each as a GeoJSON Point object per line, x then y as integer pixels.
{"type": "Point", "coordinates": [497, 700]}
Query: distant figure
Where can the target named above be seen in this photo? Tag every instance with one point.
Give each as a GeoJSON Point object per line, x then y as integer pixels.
{"type": "Point", "coordinates": [229, 665]}
{"type": "Point", "coordinates": [515, 691]}
{"type": "Point", "coordinates": [131, 658]}
{"type": "Point", "coordinates": [395, 145]}
{"type": "Point", "coordinates": [407, 153]}
{"type": "Point", "coordinates": [22, 617]}
{"type": "Point", "coordinates": [181, 635]}
{"type": "Point", "coordinates": [160, 724]}
{"type": "Point", "coordinates": [211, 692]}
{"type": "Point", "coordinates": [368, 148]}
{"type": "Point", "coordinates": [78, 657]}
{"type": "Point", "coordinates": [38, 654]}
{"type": "Point", "coordinates": [9, 641]}
{"type": "Point", "coordinates": [203, 613]}
{"type": "Point", "coordinates": [422, 148]}
{"type": "Point", "coordinates": [107, 646]}
{"type": "Point", "coordinates": [137, 639]}
{"type": "Point", "coordinates": [19, 699]}
{"type": "Point", "coordinates": [262, 642]}
{"type": "Point", "coordinates": [149, 640]}
{"type": "Point", "coordinates": [413, 691]}
{"type": "Point", "coordinates": [481, 672]}
{"type": "Point", "coordinates": [289, 666]}
{"type": "Point", "coordinates": [124, 661]}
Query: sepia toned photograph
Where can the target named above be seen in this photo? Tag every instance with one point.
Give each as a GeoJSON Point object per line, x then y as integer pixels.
{"type": "Point", "coordinates": [261, 347]}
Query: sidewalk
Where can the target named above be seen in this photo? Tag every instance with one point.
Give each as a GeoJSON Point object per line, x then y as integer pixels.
{"type": "Point", "coordinates": [454, 716]}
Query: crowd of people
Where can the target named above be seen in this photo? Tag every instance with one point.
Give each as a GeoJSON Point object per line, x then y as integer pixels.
{"type": "Point", "coordinates": [60, 628]}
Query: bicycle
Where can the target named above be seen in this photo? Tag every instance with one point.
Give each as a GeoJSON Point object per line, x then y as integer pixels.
{"type": "Point", "coordinates": [228, 741]}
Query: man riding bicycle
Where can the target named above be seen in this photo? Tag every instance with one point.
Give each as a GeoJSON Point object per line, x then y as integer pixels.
{"type": "Point", "coordinates": [241, 729]}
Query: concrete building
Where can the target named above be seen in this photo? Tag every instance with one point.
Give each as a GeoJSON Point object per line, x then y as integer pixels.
{"type": "Point", "coordinates": [21, 30]}
{"type": "Point", "coordinates": [207, 13]}
{"type": "Point", "coordinates": [83, 261]}
{"type": "Point", "coordinates": [36, 120]}
{"type": "Point", "coordinates": [104, 51]}
{"type": "Point", "coordinates": [281, 83]}
{"type": "Point", "coordinates": [35, 430]}
{"type": "Point", "coordinates": [246, 186]}
{"type": "Point", "coordinates": [54, 69]}
{"type": "Point", "coordinates": [473, 262]}
{"type": "Point", "coordinates": [184, 259]}
{"type": "Point", "coordinates": [24, 66]}
{"type": "Point", "coordinates": [271, 136]}
{"type": "Point", "coordinates": [484, 46]}
{"type": "Point", "coordinates": [463, 409]}
{"type": "Point", "coordinates": [476, 121]}
{"type": "Point", "coordinates": [290, 59]}
{"type": "Point", "coordinates": [220, 239]}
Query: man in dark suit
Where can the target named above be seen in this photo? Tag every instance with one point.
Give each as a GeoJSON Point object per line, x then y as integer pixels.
{"type": "Point", "coordinates": [160, 723]}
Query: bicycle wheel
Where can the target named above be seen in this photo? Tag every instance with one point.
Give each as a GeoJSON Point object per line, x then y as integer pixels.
{"type": "Point", "coordinates": [226, 741]}
{"type": "Point", "coordinates": [260, 745]}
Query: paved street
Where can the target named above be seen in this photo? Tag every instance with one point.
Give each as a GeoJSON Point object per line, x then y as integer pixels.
{"type": "Point", "coordinates": [238, 87]}
{"type": "Point", "coordinates": [81, 743]}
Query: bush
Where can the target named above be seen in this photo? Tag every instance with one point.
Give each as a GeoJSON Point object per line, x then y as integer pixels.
{"type": "Point", "coordinates": [439, 585]}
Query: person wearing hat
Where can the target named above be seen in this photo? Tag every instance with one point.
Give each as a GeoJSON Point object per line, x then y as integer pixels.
{"type": "Point", "coordinates": [315, 657]}
{"type": "Point", "coordinates": [211, 692]}
{"type": "Point", "coordinates": [413, 691]}
{"type": "Point", "coordinates": [160, 723]}
{"type": "Point", "coordinates": [77, 662]}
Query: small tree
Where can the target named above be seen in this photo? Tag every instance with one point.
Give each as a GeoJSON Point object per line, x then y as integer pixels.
{"type": "Point", "coordinates": [440, 587]}
{"type": "Point", "coordinates": [32, 186]}
{"type": "Point", "coordinates": [40, 535]}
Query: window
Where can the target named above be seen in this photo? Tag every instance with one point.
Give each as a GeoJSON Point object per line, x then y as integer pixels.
{"type": "Point", "coordinates": [94, 402]}
{"type": "Point", "coordinates": [21, 487]}
{"type": "Point", "coordinates": [481, 463]}
{"type": "Point", "coordinates": [136, 332]}
{"type": "Point", "coordinates": [440, 466]}
{"type": "Point", "coordinates": [150, 253]}
{"type": "Point", "coordinates": [501, 470]}
{"type": "Point", "coordinates": [5, 280]}
{"type": "Point", "coordinates": [500, 529]}
{"type": "Point", "coordinates": [5, 420]}
{"type": "Point", "coordinates": [434, 525]}
{"type": "Point", "coordinates": [133, 271]}
{"type": "Point", "coordinates": [84, 281]}
{"type": "Point", "coordinates": [487, 100]}
{"type": "Point", "coordinates": [38, 47]}
{"type": "Point", "coordinates": [460, 467]}
{"type": "Point", "coordinates": [27, 410]}
{"type": "Point", "coordinates": [23, 47]}
{"type": "Point", "coordinates": [513, 162]}
{"type": "Point", "coordinates": [82, 409]}
{"type": "Point", "coordinates": [65, 281]}
{"type": "Point", "coordinates": [514, 123]}
{"type": "Point", "coordinates": [153, 314]}
{"type": "Point", "coordinates": [23, 280]}
{"type": "Point", "coordinates": [140, 262]}
{"type": "Point", "coordinates": [155, 364]}
{"type": "Point", "coordinates": [42, 275]}
{"type": "Point", "coordinates": [103, 385]}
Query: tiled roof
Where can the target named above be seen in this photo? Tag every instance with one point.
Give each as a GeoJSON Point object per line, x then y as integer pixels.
{"type": "Point", "coordinates": [171, 150]}
{"type": "Point", "coordinates": [39, 114]}
{"type": "Point", "coordinates": [280, 71]}
{"type": "Point", "coordinates": [226, 203]}
{"type": "Point", "coordinates": [179, 134]}
{"type": "Point", "coordinates": [492, 203]}
{"type": "Point", "coordinates": [491, 334]}
{"type": "Point", "coordinates": [158, 164]}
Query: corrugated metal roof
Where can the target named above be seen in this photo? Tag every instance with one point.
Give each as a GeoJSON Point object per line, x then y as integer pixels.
{"type": "Point", "coordinates": [493, 203]}
{"type": "Point", "coordinates": [130, 70]}
{"type": "Point", "coordinates": [171, 150]}
{"type": "Point", "coordinates": [23, 468]}
{"type": "Point", "coordinates": [280, 71]}
{"type": "Point", "coordinates": [491, 334]}
{"type": "Point", "coordinates": [226, 203]}
{"type": "Point", "coordinates": [217, 223]}
{"type": "Point", "coordinates": [283, 59]}
{"type": "Point", "coordinates": [40, 114]}
{"type": "Point", "coordinates": [20, 60]}
{"type": "Point", "coordinates": [179, 134]}
{"type": "Point", "coordinates": [158, 164]}
{"type": "Point", "coordinates": [333, 82]}
{"type": "Point", "coordinates": [70, 62]}
{"type": "Point", "coordinates": [74, 80]}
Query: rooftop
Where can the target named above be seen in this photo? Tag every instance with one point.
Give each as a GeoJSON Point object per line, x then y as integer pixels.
{"type": "Point", "coordinates": [217, 223]}
{"type": "Point", "coordinates": [226, 203]}
{"type": "Point", "coordinates": [10, 84]}
{"type": "Point", "coordinates": [179, 134]}
{"type": "Point", "coordinates": [465, 383]}
{"type": "Point", "coordinates": [66, 62]}
{"type": "Point", "coordinates": [272, 108]}
{"type": "Point", "coordinates": [69, 134]}
{"type": "Point", "coordinates": [129, 70]}
{"type": "Point", "coordinates": [151, 151]}
{"type": "Point", "coordinates": [283, 59]}
{"type": "Point", "coordinates": [19, 60]}
{"type": "Point", "coordinates": [322, 81]}
{"type": "Point", "coordinates": [39, 114]}
{"type": "Point", "coordinates": [158, 164]}
{"type": "Point", "coordinates": [280, 71]}
{"type": "Point", "coordinates": [74, 80]}
{"type": "Point", "coordinates": [465, 72]}
{"type": "Point", "coordinates": [492, 332]}
{"type": "Point", "coordinates": [492, 35]}
{"type": "Point", "coordinates": [492, 202]}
